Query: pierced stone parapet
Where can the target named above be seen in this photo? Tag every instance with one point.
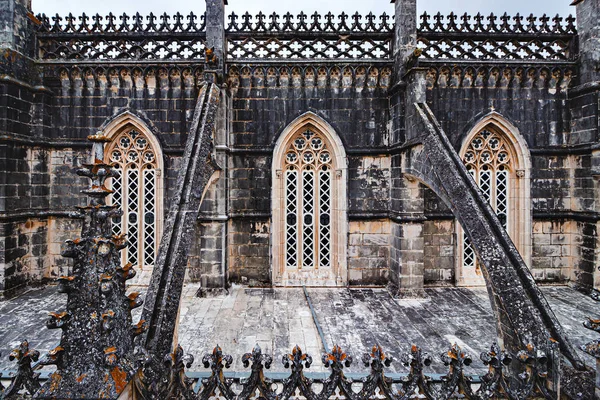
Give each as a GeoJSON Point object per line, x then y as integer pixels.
{"type": "Point", "coordinates": [480, 38]}
{"type": "Point", "coordinates": [527, 379]}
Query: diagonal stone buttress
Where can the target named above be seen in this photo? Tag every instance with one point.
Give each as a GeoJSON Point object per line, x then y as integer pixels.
{"type": "Point", "coordinates": [523, 315]}
{"type": "Point", "coordinates": [164, 293]}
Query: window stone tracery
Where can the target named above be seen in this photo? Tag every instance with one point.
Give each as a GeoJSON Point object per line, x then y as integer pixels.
{"type": "Point", "coordinates": [308, 165]}
{"type": "Point", "coordinates": [489, 158]}
{"type": "Point", "coordinates": [135, 191]}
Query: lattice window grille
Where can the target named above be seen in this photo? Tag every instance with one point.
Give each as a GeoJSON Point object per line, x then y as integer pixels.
{"type": "Point", "coordinates": [502, 197]}
{"type": "Point", "coordinates": [132, 215]}
{"type": "Point", "coordinates": [116, 198]}
{"type": "Point", "coordinates": [291, 219]}
{"type": "Point", "coordinates": [149, 216]}
{"type": "Point", "coordinates": [308, 218]}
{"type": "Point", "coordinates": [469, 258]}
{"type": "Point", "coordinates": [325, 218]}
{"type": "Point", "coordinates": [135, 192]}
{"type": "Point", "coordinates": [488, 160]}
{"type": "Point", "coordinates": [308, 196]}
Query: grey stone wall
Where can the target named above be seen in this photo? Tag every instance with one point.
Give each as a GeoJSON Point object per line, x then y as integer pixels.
{"type": "Point", "coordinates": [556, 127]}
{"type": "Point", "coordinates": [264, 102]}
{"type": "Point", "coordinates": [439, 252]}
{"type": "Point", "coordinates": [399, 231]}
{"type": "Point", "coordinates": [15, 26]}
{"type": "Point", "coordinates": [249, 261]}
{"type": "Point", "coordinates": [44, 132]}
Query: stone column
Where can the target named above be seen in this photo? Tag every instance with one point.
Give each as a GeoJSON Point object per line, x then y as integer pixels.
{"type": "Point", "coordinates": [405, 35]}
{"type": "Point", "coordinates": [16, 26]}
{"type": "Point", "coordinates": [212, 228]}
{"type": "Point", "coordinates": [215, 36]}
{"type": "Point", "coordinates": [408, 242]}
{"type": "Point", "coordinates": [588, 28]}
{"type": "Point", "coordinates": [19, 87]}
{"type": "Point", "coordinates": [584, 104]}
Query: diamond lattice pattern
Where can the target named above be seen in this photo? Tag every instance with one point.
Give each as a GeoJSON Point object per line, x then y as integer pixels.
{"type": "Point", "coordinates": [308, 194]}
{"type": "Point", "coordinates": [135, 192]}
{"type": "Point", "coordinates": [488, 160]}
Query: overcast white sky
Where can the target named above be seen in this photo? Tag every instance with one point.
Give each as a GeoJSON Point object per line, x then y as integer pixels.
{"type": "Point", "coordinates": [537, 7]}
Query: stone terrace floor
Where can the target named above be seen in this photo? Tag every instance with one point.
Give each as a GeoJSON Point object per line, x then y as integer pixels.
{"type": "Point", "coordinates": [278, 319]}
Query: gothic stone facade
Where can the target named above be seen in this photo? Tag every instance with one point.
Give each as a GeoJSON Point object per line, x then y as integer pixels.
{"type": "Point", "coordinates": [311, 144]}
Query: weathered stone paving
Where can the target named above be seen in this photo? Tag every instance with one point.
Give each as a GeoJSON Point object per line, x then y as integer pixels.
{"type": "Point", "coordinates": [280, 318]}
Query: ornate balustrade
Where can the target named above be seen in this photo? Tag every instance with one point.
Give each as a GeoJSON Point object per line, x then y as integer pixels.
{"type": "Point", "coordinates": [309, 37]}
{"type": "Point", "coordinates": [112, 38]}
{"type": "Point", "coordinates": [305, 38]}
{"type": "Point", "coordinates": [498, 383]}
{"type": "Point", "coordinates": [480, 38]}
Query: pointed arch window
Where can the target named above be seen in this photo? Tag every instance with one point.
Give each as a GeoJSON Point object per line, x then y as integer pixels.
{"type": "Point", "coordinates": [136, 191]}
{"type": "Point", "coordinates": [498, 160]}
{"type": "Point", "coordinates": [309, 231]}
{"type": "Point", "coordinates": [308, 164]}
{"type": "Point", "coordinates": [488, 160]}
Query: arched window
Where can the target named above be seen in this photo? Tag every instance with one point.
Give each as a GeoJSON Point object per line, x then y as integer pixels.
{"type": "Point", "coordinates": [309, 206]}
{"type": "Point", "coordinates": [308, 202]}
{"type": "Point", "coordinates": [497, 163]}
{"type": "Point", "coordinates": [137, 190]}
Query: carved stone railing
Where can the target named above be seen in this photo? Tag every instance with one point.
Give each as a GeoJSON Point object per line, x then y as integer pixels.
{"type": "Point", "coordinates": [300, 38]}
{"type": "Point", "coordinates": [519, 376]}
{"type": "Point", "coordinates": [309, 37]}
{"type": "Point", "coordinates": [492, 37]}
{"type": "Point", "coordinates": [112, 38]}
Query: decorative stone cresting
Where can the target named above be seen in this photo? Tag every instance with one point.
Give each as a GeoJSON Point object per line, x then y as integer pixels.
{"type": "Point", "coordinates": [528, 382]}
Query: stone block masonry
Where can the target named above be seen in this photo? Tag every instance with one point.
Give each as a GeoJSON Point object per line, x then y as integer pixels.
{"type": "Point", "coordinates": [342, 151]}
{"type": "Point", "coordinates": [52, 99]}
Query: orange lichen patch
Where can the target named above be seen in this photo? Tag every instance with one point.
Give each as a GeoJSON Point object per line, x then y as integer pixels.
{"type": "Point", "coordinates": [77, 241]}
{"type": "Point", "coordinates": [295, 350]}
{"type": "Point", "coordinates": [120, 378]}
{"type": "Point", "coordinates": [140, 327]}
{"type": "Point", "coordinates": [530, 347]}
{"type": "Point", "coordinates": [66, 278]}
{"type": "Point", "coordinates": [110, 355]}
{"type": "Point", "coordinates": [101, 188]}
{"type": "Point", "coordinates": [108, 314]}
{"type": "Point", "coordinates": [133, 299]}
{"type": "Point", "coordinates": [10, 54]}
{"type": "Point", "coordinates": [33, 18]}
{"type": "Point", "coordinates": [55, 379]}
{"type": "Point", "coordinates": [58, 315]}
{"type": "Point", "coordinates": [118, 238]}
{"type": "Point", "coordinates": [56, 350]}
{"type": "Point", "coordinates": [97, 166]}
{"type": "Point", "coordinates": [105, 277]}
{"type": "Point", "coordinates": [80, 378]}
{"type": "Point", "coordinates": [126, 267]}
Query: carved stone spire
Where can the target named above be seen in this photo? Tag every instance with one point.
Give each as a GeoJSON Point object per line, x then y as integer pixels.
{"type": "Point", "coordinates": [95, 357]}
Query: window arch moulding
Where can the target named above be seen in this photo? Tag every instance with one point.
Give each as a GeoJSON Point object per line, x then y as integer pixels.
{"type": "Point", "coordinates": [136, 153]}
{"type": "Point", "coordinates": [309, 205]}
{"type": "Point", "coordinates": [498, 159]}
